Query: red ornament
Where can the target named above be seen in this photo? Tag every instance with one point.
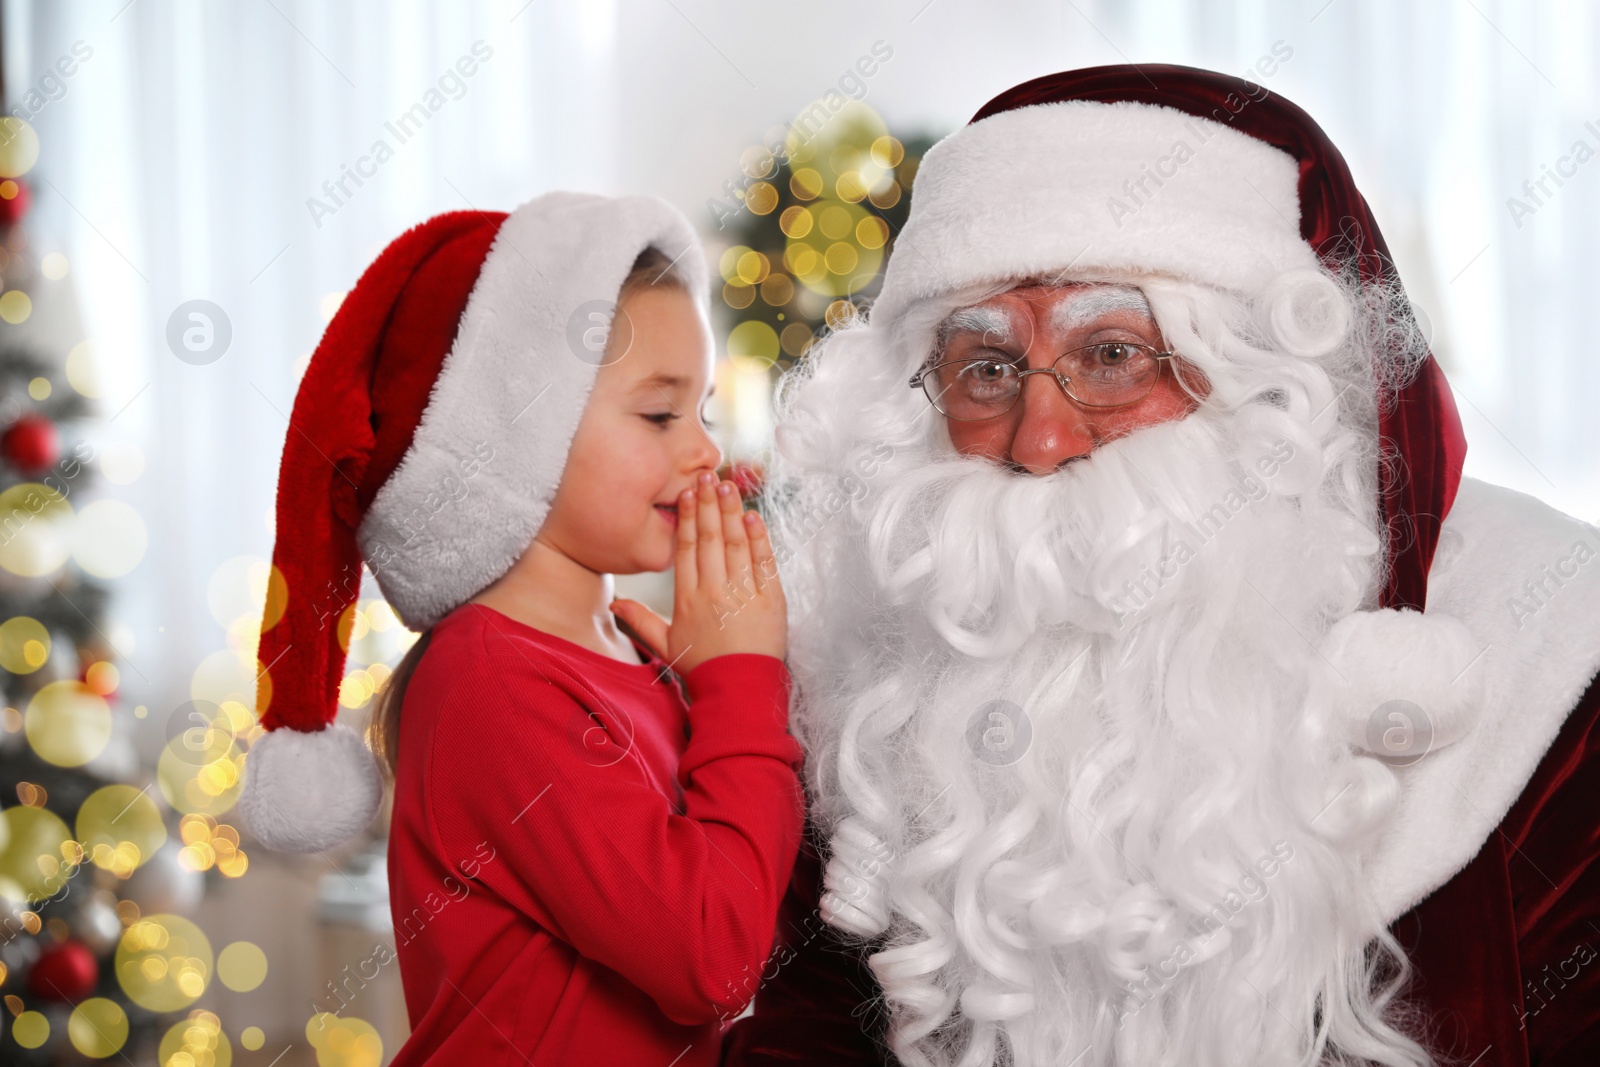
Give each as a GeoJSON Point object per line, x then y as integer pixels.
{"type": "Point", "coordinates": [31, 444]}
{"type": "Point", "coordinates": [65, 972]}
{"type": "Point", "coordinates": [12, 210]}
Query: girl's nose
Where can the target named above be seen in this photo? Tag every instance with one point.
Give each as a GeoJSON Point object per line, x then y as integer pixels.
{"type": "Point", "coordinates": [704, 452]}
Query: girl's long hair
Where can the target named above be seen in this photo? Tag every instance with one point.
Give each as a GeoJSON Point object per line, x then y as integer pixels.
{"type": "Point", "coordinates": [383, 731]}
{"type": "Point", "coordinates": [652, 267]}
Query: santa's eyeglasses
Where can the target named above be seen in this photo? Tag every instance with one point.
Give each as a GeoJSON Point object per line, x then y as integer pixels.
{"type": "Point", "coordinates": [1111, 374]}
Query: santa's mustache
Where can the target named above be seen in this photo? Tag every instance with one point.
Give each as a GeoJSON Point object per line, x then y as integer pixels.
{"type": "Point", "coordinates": [993, 555]}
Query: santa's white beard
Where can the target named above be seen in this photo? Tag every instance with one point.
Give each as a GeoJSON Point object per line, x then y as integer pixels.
{"type": "Point", "coordinates": [1058, 731]}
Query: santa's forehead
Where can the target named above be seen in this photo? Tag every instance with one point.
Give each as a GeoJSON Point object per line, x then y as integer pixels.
{"type": "Point", "coordinates": [1064, 307]}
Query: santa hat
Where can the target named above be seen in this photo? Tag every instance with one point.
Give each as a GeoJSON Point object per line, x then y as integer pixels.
{"type": "Point", "coordinates": [428, 437]}
{"type": "Point", "coordinates": [1178, 171]}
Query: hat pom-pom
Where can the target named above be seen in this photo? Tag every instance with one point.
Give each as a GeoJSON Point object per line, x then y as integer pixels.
{"type": "Point", "coordinates": [306, 792]}
{"type": "Point", "coordinates": [1399, 683]}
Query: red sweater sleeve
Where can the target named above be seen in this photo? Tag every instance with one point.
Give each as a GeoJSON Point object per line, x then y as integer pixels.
{"type": "Point", "coordinates": [683, 904]}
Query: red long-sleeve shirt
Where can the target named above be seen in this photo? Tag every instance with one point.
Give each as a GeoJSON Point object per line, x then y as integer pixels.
{"type": "Point", "coordinates": [582, 869]}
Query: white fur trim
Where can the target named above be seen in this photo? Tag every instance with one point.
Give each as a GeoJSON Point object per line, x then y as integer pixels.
{"type": "Point", "coordinates": [1537, 665]}
{"type": "Point", "coordinates": [1043, 188]}
{"type": "Point", "coordinates": [306, 792]}
{"type": "Point", "coordinates": [483, 466]}
{"type": "Point", "coordinates": [1400, 683]}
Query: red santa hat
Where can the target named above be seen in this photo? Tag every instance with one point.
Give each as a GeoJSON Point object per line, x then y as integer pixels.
{"type": "Point", "coordinates": [427, 439]}
{"type": "Point", "coordinates": [1184, 172]}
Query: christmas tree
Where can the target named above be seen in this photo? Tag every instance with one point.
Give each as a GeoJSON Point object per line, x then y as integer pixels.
{"type": "Point", "coordinates": [96, 959]}
{"type": "Point", "coordinates": [810, 224]}
{"type": "Point", "coordinates": [814, 225]}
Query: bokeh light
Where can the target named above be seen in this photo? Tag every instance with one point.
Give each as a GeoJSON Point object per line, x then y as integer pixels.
{"type": "Point", "coordinates": [201, 768]}
{"type": "Point", "coordinates": [121, 462]}
{"type": "Point", "coordinates": [247, 585]}
{"type": "Point", "coordinates": [102, 677]}
{"type": "Point", "coordinates": [109, 539]}
{"type": "Point", "coordinates": [36, 519]}
{"type": "Point", "coordinates": [33, 865]}
{"type": "Point", "coordinates": [120, 828]}
{"type": "Point", "coordinates": [242, 966]}
{"type": "Point", "coordinates": [210, 788]}
{"type": "Point", "coordinates": [82, 371]}
{"type": "Point", "coordinates": [163, 963]}
{"type": "Point", "coordinates": [198, 1041]}
{"type": "Point", "coordinates": [19, 147]}
{"type": "Point", "coordinates": [24, 644]}
{"type": "Point", "coordinates": [344, 1041]}
{"type": "Point", "coordinates": [753, 340]}
{"type": "Point", "coordinates": [15, 306]}
{"type": "Point", "coordinates": [223, 676]}
{"type": "Point", "coordinates": [98, 1028]}
{"type": "Point", "coordinates": [207, 844]}
{"type": "Point", "coordinates": [30, 1029]}
{"type": "Point", "coordinates": [67, 723]}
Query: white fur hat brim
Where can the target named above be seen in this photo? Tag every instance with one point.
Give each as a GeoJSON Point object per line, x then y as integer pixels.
{"type": "Point", "coordinates": [1080, 185]}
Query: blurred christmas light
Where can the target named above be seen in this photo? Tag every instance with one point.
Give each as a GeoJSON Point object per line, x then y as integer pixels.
{"type": "Point", "coordinates": [109, 538]}
{"type": "Point", "coordinates": [242, 966]}
{"type": "Point", "coordinates": [30, 1029]}
{"type": "Point", "coordinates": [121, 827]}
{"type": "Point", "coordinates": [19, 147]}
{"type": "Point", "coordinates": [67, 723]}
{"type": "Point", "coordinates": [15, 306]}
{"type": "Point", "coordinates": [29, 864]}
{"type": "Point", "coordinates": [24, 644]}
{"type": "Point", "coordinates": [344, 1041]}
{"type": "Point", "coordinates": [83, 373]}
{"type": "Point", "coordinates": [98, 1028]}
{"type": "Point", "coordinates": [198, 1041]}
{"type": "Point", "coordinates": [163, 963]}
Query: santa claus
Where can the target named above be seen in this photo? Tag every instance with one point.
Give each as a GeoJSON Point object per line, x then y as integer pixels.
{"type": "Point", "coordinates": [1169, 695]}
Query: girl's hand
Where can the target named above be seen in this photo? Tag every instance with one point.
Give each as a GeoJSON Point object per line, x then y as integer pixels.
{"type": "Point", "coordinates": [726, 595]}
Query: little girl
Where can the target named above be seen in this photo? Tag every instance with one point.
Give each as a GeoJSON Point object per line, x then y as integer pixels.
{"type": "Point", "coordinates": [585, 862]}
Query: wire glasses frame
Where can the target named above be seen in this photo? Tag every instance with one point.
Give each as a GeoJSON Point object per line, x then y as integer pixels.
{"type": "Point", "coordinates": [927, 379]}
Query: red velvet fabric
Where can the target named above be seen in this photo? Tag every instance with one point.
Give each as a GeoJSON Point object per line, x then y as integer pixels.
{"type": "Point", "coordinates": [1506, 954]}
{"type": "Point", "coordinates": [357, 407]}
{"type": "Point", "coordinates": [1420, 426]}
{"type": "Point", "coordinates": [416, 340]}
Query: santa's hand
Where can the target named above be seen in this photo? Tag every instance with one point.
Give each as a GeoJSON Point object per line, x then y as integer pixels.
{"type": "Point", "coordinates": [855, 895]}
{"type": "Point", "coordinates": [726, 594]}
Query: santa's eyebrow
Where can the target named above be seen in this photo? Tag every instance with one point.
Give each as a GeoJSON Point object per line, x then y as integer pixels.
{"type": "Point", "coordinates": [985, 320]}
{"type": "Point", "coordinates": [1075, 312]}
